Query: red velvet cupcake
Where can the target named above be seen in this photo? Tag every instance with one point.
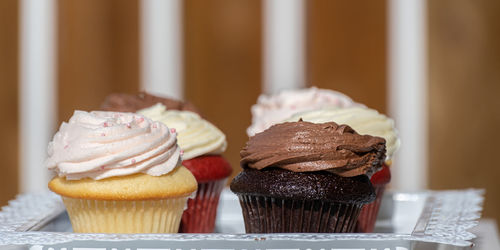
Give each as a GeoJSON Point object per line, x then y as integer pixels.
{"type": "Point", "coordinates": [202, 144]}
{"type": "Point", "coordinates": [368, 215]}
{"type": "Point", "coordinates": [211, 172]}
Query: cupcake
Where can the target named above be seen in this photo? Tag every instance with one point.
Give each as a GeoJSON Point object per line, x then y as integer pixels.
{"type": "Point", "coordinates": [272, 109]}
{"type": "Point", "coordinates": [306, 177]}
{"type": "Point", "coordinates": [119, 173]}
{"type": "Point", "coordinates": [365, 121]}
{"type": "Point", "coordinates": [131, 103]}
{"type": "Point", "coordinates": [203, 144]}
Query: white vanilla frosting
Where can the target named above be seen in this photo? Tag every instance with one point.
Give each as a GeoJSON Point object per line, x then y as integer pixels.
{"type": "Point", "coordinates": [105, 144]}
{"type": "Point", "coordinates": [272, 109]}
{"type": "Point", "coordinates": [196, 136]}
{"type": "Point", "coordinates": [364, 120]}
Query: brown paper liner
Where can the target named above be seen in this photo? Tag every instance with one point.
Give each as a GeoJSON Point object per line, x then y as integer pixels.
{"type": "Point", "coordinates": [141, 216]}
{"type": "Point", "coordinates": [200, 215]}
{"type": "Point", "coordinates": [273, 215]}
{"type": "Point", "coordinates": [368, 215]}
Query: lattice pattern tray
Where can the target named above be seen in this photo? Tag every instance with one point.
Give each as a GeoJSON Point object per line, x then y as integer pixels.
{"type": "Point", "coordinates": [423, 220]}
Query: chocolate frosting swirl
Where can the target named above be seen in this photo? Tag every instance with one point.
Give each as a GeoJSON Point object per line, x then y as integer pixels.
{"type": "Point", "coordinates": [131, 103]}
{"type": "Point", "coordinates": [305, 147]}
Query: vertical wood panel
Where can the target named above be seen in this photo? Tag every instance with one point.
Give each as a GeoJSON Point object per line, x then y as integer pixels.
{"type": "Point", "coordinates": [98, 52]}
{"type": "Point", "coordinates": [223, 64]}
{"type": "Point", "coordinates": [8, 99]}
{"type": "Point", "coordinates": [464, 78]}
{"type": "Point", "coordinates": [346, 48]}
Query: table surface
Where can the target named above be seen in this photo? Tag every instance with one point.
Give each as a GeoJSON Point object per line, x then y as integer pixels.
{"type": "Point", "coordinates": [487, 235]}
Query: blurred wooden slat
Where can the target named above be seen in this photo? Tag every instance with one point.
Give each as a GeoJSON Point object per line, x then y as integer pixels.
{"type": "Point", "coordinates": [223, 64]}
{"type": "Point", "coordinates": [464, 85]}
{"type": "Point", "coordinates": [346, 48]}
{"type": "Point", "coordinates": [8, 99]}
{"type": "Point", "coordinates": [98, 52]}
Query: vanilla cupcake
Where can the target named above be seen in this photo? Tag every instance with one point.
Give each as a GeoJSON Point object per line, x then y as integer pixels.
{"type": "Point", "coordinates": [119, 173]}
{"type": "Point", "coordinates": [202, 144]}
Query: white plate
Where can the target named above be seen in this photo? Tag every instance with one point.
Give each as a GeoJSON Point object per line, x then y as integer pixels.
{"type": "Point", "coordinates": [423, 220]}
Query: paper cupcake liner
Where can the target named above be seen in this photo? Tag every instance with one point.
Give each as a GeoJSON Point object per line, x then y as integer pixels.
{"type": "Point", "coordinates": [273, 215]}
{"type": "Point", "coordinates": [200, 215]}
{"type": "Point", "coordinates": [369, 212]}
{"type": "Point", "coordinates": [141, 216]}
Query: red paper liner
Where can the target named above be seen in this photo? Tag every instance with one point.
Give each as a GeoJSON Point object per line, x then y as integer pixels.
{"type": "Point", "coordinates": [368, 215]}
{"type": "Point", "coordinates": [273, 215]}
{"type": "Point", "coordinates": [199, 217]}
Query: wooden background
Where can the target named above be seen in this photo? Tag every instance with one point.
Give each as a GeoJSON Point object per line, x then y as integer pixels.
{"type": "Point", "coordinates": [464, 89]}
{"type": "Point", "coordinates": [346, 49]}
{"type": "Point", "coordinates": [223, 64]}
{"type": "Point", "coordinates": [98, 53]}
{"type": "Point", "coordinates": [8, 100]}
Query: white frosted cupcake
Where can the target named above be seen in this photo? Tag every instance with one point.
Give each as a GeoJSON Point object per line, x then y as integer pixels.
{"type": "Point", "coordinates": [119, 173]}
{"type": "Point", "coordinates": [365, 121]}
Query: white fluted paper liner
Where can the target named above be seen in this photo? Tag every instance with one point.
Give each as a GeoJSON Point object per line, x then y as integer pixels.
{"type": "Point", "coordinates": [142, 216]}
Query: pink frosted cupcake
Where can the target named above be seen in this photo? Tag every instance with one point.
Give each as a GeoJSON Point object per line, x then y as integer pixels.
{"type": "Point", "coordinates": [272, 109]}
{"type": "Point", "coordinates": [119, 173]}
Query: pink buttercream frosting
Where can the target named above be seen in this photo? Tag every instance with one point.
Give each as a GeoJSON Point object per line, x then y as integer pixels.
{"type": "Point", "coordinates": [102, 144]}
{"type": "Point", "coordinates": [272, 109]}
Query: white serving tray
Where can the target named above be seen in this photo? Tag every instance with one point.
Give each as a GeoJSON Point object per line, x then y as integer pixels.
{"type": "Point", "coordinates": [422, 220]}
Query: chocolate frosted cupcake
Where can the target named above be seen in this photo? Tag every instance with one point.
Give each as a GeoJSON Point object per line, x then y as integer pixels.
{"type": "Point", "coordinates": [306, 177]}
{"type": "Point", "coordinates": [131, 103]}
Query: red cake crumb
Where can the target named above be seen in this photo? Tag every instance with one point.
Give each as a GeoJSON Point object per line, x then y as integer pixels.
{"type": "Point", "coordinates": [208, 167]}
{"type": "Point", "coordinates": [383, 176]}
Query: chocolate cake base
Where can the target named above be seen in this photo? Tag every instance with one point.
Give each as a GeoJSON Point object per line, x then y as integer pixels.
{"type": "Point", "coordinates": [319, 185]}
{"type": "Point", "coordinates": [274, 215]}
{"type": "Point", "coordinates": [274, 200]}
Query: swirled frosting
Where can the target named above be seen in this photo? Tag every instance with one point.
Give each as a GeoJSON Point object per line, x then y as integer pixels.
{"type": "Point", "coordinates": [364, 120]}
{"type": "Point", "coordinates": [105, 144]}
{"type": "Point", "coordinates": [304, 146]}
{"type": "Point", "coordinates": [271, 109]}
{"type": "Point", "coordinates": [196, 136]}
